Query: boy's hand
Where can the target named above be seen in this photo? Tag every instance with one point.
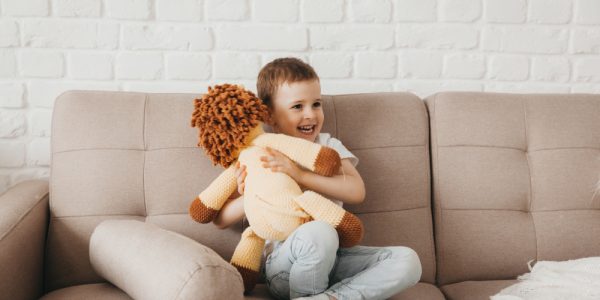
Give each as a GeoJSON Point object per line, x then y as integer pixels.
{"type": "Point", "coordinates": [278, 162]}
{"type": "Point", "coordinates": [240, 175]}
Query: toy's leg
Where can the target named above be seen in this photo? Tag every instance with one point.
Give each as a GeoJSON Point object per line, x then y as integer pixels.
{"type": "Point", "coordinates": [349, 227]}
{"type": "Point", "coordinates": [246, 258]}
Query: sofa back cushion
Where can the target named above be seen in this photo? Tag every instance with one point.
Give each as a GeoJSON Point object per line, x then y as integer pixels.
{"type": "Point", "coordinates": [122, 155]}
{"type": "Point", "coordinates": [513, 181]}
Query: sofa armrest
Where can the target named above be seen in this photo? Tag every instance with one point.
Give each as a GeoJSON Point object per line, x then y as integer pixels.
{"type": "Point", "coordinates": [23, 227]}
{"type": "Point", "coordinates": [148, 262]}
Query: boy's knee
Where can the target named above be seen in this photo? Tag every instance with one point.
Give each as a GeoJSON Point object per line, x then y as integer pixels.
{"type": "Point", "coordinates": [319, 235]}
{"type": "Point", "coordinates": [409, 260]}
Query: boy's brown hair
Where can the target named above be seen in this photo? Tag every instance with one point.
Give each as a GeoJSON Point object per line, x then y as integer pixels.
{"type": "Point", "coordinates": [279, 71]}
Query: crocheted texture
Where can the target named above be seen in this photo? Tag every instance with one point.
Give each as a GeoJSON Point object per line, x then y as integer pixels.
{"type": "Point", "coordinates": [349, 227]}
{"type": "Point", "coordinates": [350, 230]}
{"type": "Point", "coordinates": [246, 257]}
{"type": "Point", "coordinates": [328, 162]}
{"type": "Point", "coordinates": [225, 115]}
{"type": "Point", "coordinates": [200, 213]}
{"type": "Point", "coordinates": [249, 277]}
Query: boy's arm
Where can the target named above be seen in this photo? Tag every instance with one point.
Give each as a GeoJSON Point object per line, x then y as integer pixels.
{"type": "Point", "coordinates": [346, 186]}
{"type": "Point", "coordinates": [314, 157]}
{"type": "Point", "coordinates": [231, 213]}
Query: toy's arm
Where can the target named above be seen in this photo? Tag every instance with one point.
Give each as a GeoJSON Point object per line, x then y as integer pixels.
{"type": "Point", "coordinates": [317, 158]}
{"type": "Point", "coordinates": [207, 205]}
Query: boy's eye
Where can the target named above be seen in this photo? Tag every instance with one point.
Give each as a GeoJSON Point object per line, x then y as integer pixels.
{"type": "Point", "coordinates": [297, 106]}
{"type": "Point", "coordinates": [317, 104]}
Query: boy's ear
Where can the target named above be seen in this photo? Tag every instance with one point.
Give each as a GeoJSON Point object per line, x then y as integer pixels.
{"type": "Point", "coordinates": [269, 120]}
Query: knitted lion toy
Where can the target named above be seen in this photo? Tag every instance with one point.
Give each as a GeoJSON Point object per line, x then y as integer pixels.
{"type": "Point", "coordinates": [229, 119]}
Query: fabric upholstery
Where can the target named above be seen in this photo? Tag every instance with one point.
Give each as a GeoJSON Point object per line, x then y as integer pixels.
{"type": "Point", "coordinates": [475, 290]}
{"type": "Point", "coordinates": [122, 155]}
{"type": "Point", "coordinates": [514, 178]}
{"type": "Point", "coordinates": [148, 262]}
{"type": "Point", "coordinates": [23, 226]}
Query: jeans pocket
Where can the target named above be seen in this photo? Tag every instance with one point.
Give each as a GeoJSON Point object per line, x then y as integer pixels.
{"type": "Point", "coordinates": [279, 285]}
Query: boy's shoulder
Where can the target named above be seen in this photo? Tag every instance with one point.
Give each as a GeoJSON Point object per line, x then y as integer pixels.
{"type": "Point", "coordinates": [326, 139]}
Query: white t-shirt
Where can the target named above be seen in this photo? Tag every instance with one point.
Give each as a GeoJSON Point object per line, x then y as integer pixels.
{"type": "Point", "coordinates": [326, 140]}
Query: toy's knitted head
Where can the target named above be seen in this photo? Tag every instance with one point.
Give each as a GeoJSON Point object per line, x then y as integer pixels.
{"type": "Point", "coordinates": [225, 116]}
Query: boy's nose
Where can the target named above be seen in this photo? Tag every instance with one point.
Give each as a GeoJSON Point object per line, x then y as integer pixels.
{"type": "Point", "coordinates": [309, 114]}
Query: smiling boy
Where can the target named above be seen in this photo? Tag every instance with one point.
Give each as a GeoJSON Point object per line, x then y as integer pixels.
{"type": "Point", "coordinates": [309, 263]}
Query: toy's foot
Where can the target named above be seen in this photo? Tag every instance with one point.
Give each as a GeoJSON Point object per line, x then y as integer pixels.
{"type": "Point", "coordinates": [249, 277]}
{"type": "Point", "coordinates": [328, 162]}
{"type": "Point", "coordinates": [350, 230]}
{"type": "Point", "coordinates": [199, 212]}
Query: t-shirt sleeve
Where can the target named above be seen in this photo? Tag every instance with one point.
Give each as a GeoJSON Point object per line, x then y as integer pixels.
{"type": "Point", "coordinates": [342, 150]}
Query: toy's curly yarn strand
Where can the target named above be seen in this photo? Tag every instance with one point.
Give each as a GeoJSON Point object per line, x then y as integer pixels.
{"type": "Point", "coordinates": [225, 116]}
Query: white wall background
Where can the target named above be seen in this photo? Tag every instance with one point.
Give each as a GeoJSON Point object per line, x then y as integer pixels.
{"type": "Point", "coordinates": [423, 46]}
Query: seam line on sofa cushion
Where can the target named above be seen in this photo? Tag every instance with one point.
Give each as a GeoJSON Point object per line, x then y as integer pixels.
{"type": "Point", "coordinates": [22, 217]}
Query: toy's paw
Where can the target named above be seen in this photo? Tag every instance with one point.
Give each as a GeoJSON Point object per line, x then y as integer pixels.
{"type": "Point", "coordinates": [250, 277]}
{"type": "Point", "coordinates": [328, 162]}
{"type": "Point", "coordinates": [200, 213]}
{"type": "Point", "coordinates": [350, 230]}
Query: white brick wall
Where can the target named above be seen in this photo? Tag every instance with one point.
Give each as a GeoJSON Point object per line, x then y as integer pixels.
{"type": "Point", "coordinates": [421, 46]}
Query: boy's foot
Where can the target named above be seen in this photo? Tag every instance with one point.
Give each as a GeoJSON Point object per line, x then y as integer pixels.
{"type": "Point", "coordinates": [318, 297]}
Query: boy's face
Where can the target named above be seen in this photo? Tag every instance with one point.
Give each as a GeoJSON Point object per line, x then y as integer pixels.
{"type": "Point", "coordinates": [296, 109]}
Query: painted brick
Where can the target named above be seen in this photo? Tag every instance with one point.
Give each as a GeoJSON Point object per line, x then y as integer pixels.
{"type": "Point", "coordinates": [8, 63]}
{"type": "Point", "coordinates": [12, 154]}
{"type": "Point", "coordinates": [445, 36]}
{"type": "Point", "coordinates": [464, 66]}
{"type": "Point", "coordinates": [505, 11]}
{"type": "Point", "coordinates": [544, 40]}
{"type": "Point", "coordinates": [262, 37]}
{"type": "Point", "coordinates": [34, 63]}
{"type": "Point", "coordinates": [169, 37]}
{"type": "Point", "coordinates": [550, 11]}
{"type": "Point", "coordinates": [227, 10]}
{"type": "Point", "coordinates": [376, 65]}
{"type": "Point", "coordinates": [25, 8]}
{"type": "Point", "coordinates": [276, 10]}
{"type": "Point", "coordinates": [77, 8]}
{"type": "Point", "coordinates": [374, 11]}
{"type": "Point", "coordinates": [12, 123]}
{"type": "Point", "coordinates": [128, 9]}
{"type": "Point", "coordinates": [59, 33]}
{"type": "Point", "coordinates": [332, 65]}
{"type": "Point", "coordinates": [9, 34]}
{"type": "Point", "coordinates": [460, 10]}
{"type": "Point", "coordinates": [179, 10]}
{"type": "Point", "coordinates": [11, 95]}
{"type": "Point", "coordinates": [415, 10]}
{"type": "Point", "coordinates": [188, 66]}
{"type": "Point", "coordinates": [420, 64]}
{"type": "Point", "coordinates": [508, 67]}
{"type": "Point", "coordinates": [317, 11]}
{"type": "Point", "coordinates": [85, 65]}
{"type": "Point", "coordinates": [236, 65]}
{"type": "Point", "coordinates": [351, 37]}
{"type": "Point", "coordinates": [557, 69]}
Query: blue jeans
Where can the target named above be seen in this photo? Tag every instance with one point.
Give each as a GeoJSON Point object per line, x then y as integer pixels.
{"type": "Point", "coordinates": [309, 262]}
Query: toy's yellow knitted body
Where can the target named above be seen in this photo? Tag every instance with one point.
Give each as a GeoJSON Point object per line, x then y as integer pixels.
{"type": "Point", "coordinates": [273, 202]}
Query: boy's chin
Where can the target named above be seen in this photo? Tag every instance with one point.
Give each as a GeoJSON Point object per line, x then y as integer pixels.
{"type": "Point", "coordinates": [309, 137]}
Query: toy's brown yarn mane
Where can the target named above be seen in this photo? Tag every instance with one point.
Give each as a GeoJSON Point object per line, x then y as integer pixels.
{"type": "Point", "coordinates": [225, 116]}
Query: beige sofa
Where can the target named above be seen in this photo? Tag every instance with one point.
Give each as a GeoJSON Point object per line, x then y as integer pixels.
{"type": "Point", "coordinates": [504, 178]}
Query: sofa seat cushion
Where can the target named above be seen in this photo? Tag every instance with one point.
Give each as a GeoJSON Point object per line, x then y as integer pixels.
{"type": "Point", "coordinates": [421, 291]}
{"type": "Point", "coordinates": [96, 291]}
{"type": "Point", "coordinates": [475, 290]}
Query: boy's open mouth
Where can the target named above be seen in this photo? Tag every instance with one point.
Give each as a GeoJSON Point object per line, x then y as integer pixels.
{"type": "Point", "coordinates": [308, 129]}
